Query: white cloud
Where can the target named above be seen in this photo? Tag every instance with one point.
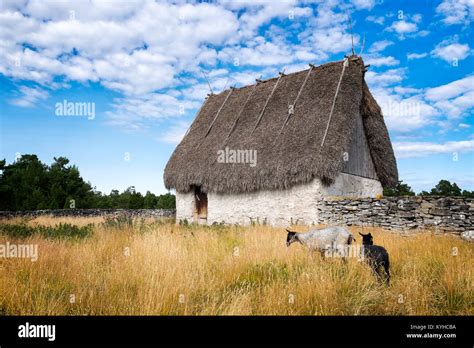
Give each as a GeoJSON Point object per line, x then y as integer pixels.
{"type": "Point", "coordinates": [451, 90]}
{"type": "Point", "coordinates": [364, 4]}
{"type": "Point", "coordinates": [454, 99]}
{"type": "Point", "coordinates": [175, 133]}
{"type": "Point", "coordinates": [449, 50]}
{"type": "Point", "coordinates": [262, 12]}
{"type": "Point", "coordinates": [378, 20]}
{"type": "Point", "coordinates": [263, 53]}
{"type": "Point", "coordinates": [456, 11]}
{"type": "Point", "coordinates": [328, 32]}
{"type": "Point", "coordinates": [115, 44]}
{"type": "Point", "coordinates": [403, 27]}
{"type": "Point", "coordinates": [389, 77]}
{"type": "Point", "coordinates": [136, 112]}
{"type": "Point", "coordinates": [379, 46]}
{"type": "Point", "coordinates": [29, 97]}
{"type": "Point", "coordinates": [152, 52]}
{"type": "Point", "coordinates": [376, 60]}
{"type": "Point", "coordinates": [407, 109]}
{"type": "Point", "coordinates": [406, 90]}
{"type": "Point", "coordinates": [407, 26]}
{"type": "Point", "coordinates": [420, 149]}
{"type": "Point", "coordinates": [404, 114]}
{"type": "Point", "coordinates": [412, 56]}
{"type": "Point", "coordinates": [416, 18]}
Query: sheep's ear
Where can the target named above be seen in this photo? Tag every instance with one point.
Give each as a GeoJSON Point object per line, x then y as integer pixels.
{"type": "Point", "coordinates": [361, 234]}
{"type": "Point", "coordinates": [287, 230]}
{"type": "Point", "coordinates": [370, 234]}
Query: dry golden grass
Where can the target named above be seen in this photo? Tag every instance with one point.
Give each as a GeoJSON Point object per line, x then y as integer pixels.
{"type": "Point", "coordinates": [172, 270]}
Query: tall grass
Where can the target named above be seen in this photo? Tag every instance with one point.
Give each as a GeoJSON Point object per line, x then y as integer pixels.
{"type": "Point", "coordinates": [146, 268]}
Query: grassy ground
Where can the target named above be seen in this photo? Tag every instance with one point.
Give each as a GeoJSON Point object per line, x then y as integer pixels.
{"type": "Point", "coordinates": [151, 267]}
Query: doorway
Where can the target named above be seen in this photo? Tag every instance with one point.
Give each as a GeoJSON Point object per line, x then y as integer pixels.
{"type": "Point", "coordinates": [200, 204]}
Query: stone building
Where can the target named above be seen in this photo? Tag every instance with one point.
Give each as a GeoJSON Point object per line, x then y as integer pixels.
{"type": "Point", "coordinates": [271, 151]}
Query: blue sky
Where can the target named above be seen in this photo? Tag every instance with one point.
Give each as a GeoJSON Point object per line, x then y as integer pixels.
{"type": "Point", "coordinates": [140, 65]}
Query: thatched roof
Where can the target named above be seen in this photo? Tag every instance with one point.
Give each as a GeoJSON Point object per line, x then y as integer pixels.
{"type": "Point", "coordinates": [289, 157]}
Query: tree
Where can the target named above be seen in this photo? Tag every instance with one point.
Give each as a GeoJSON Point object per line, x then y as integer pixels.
{"type": "Point", "coordinates": [400, 189]}
{"type": "Point", "coordinates": [468, 194]}
{"type": "Point", "coordinates": [444, 188]}
{"type": "Point", "coordinates": [166, 201]}
{"type": "Point", "coordinates": [149, 201]}
{"type": "Point", "coordinates": [28, 184]}
{"type": "Point", "coordinates": [23, 184]}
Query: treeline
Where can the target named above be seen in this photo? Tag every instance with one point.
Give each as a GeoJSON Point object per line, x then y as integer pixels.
{"type": "Point", "coordinates": [443, 188]}
{"type": "Point", "coordinates": [29, 184]}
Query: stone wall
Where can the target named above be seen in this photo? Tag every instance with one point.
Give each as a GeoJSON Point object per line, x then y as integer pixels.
{"type": "Point", "coordinates": [145, 213]}
{"type": "Point", "coordinates": [443, 214]}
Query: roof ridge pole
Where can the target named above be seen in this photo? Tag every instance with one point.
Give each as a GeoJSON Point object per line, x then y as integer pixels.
{"type": "Point", "coordinates": [240, 112]}
{"type": "Point", "coordinates": [266, 103]}
{"type": "Point", "coordinates": [344, 65]}
{"type": "Point", "coordinates": [208, 83]}
{"type": "Point", "coordinates": [219, 111]}
{"type": "Point", "coordinates": [352, 34]}
{"type": "Point", "coordinates": [362, 48]}
{"type": "Point", "coordinates": [297, 97]}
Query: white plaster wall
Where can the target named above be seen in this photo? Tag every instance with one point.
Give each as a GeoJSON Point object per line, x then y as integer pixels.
{"type": "Point", "coordinates": [277, 208]}
{"type": "Point", "coordinates": [184, 206]}
{"type": "Point", "coordinates": [298, 205]}
{"type": "Point", "coordinates": [348, 185]}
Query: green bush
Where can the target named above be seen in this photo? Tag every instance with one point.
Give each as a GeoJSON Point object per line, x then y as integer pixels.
{"type": "Point", "coordinates": [54, 232]}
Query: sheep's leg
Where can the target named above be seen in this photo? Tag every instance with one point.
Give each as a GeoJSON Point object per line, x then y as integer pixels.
{"type": "Point", "coordinates": [379, 274]}
{"type": "Point", "coordinates": [376, 271]}
{"type": "Point", "coordinates": [345, 252]}
{"type": "Point", "coordinates": [387, 272]}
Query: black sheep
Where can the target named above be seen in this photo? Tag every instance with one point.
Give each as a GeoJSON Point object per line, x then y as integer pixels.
{"type": "Point", "coordinates": [376, 256]}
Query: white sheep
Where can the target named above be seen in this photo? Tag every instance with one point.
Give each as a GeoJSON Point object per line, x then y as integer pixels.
{"type": "Point", "coordinates": [331, 239]}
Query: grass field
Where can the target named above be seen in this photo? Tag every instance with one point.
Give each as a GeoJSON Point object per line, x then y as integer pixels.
{"type": "Point", "coordinates": [155, 267]}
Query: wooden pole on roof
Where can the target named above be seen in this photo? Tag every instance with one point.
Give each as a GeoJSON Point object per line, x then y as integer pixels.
{"type": "Point", "coordinates": [352, 34]}
{"type": "Point", "coordinates": [219, 111]}
{"type": "Point", "coordinates": [268, 99]}
{"type": "Point", "coordinates": [344, 65]}
{"type": "Point", "coordinates": [205, 76]}
{"type": "Point", "coordinates": [241, 110]}
{"type": "Point", "coordinates": [297, 97]}
{"type": "Point", "coordinates": [362, 48]}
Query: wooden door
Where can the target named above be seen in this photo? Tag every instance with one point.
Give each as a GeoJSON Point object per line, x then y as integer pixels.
{"type": "Point", "coordinates": [200, 211]}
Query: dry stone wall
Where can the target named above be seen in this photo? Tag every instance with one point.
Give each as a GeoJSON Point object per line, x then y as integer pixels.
{"type": "Point", "coordinates": [443, 214]}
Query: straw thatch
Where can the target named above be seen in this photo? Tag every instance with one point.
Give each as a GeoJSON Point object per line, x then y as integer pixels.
{"type": "Point", "coordinates": [293, 156]}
